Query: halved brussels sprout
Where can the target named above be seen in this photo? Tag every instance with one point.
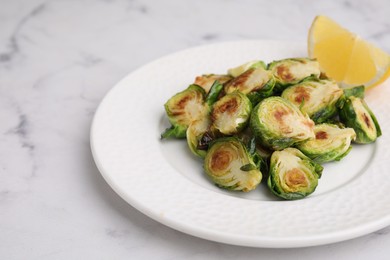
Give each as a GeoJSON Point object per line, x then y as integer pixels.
{"type": "Point", "coordinates": [331, 143]}
{"type": "Point", "coordinates": [199, 133]}
{"type": "Point", "coordinates": [252, 80]}
{"type": "Point", "coordinates": [195, 133]}
{"type": "Point", "coordinates": [206, 81]}
{"type": "Point", "coordinates": [317, 98]}
{"type": "Point", "coordinates": [231, 113]}
{"type": "Point", "coordinates": [230, 166]}
{"type": "Point", "coordinates": [279, 124]}
{"type": "Point", "coordinates": [235, 72]}
{"type": "Point", "coordinates": [184, 108]}
{"type": "Point", "coordinates": [292, 174]}
{"type": "Point", "coordinates": [356, 114]}
{"type": "Point", "coordinates": [291, 71]}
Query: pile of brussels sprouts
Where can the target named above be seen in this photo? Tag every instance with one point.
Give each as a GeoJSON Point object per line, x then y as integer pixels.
{"type": "Point", "coordinates": [279, 121]}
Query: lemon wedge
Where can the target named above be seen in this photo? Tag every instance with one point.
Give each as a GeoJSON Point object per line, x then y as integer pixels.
{"type": "Point", "coordinates": [344, 56]}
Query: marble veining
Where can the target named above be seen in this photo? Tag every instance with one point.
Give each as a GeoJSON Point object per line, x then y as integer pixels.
{"type": "Point", "coordinates": [22, 133]}
{"type": "Point", "coordinates": [21, 130]}
{"type": "Point", "coordinates": [13, 42]}
{"type": "Point", "coordinates": [57, 61]}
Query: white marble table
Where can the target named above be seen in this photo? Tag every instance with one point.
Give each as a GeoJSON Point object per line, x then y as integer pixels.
{"type": "Point", "coordinates": [57, 61]}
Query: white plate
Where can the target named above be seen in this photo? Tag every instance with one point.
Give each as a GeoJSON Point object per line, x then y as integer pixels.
{"type": "Point", "coordinates": [166, 182]}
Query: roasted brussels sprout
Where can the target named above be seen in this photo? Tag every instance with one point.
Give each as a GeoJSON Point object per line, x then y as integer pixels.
{"type": "Point", "coordinates": [291, 71]}
{"type": "Point", "coordinates": [356, 114]}
{"type": "Point", "coordinates": [230, 166]}
{"type": "Point", "coordinates": [317, 98]}
{"type": "Point", "coordinates": [293, 175]}
{"type": "Point", "coordinates": [331, 143]}
{"type": "Point", "coordinates": [252, 80]}
{"type": "Point", "coordinates": [184, 108]}
{"type": "Point", "coordinates": [206, 81]}
{"type": "Point", "coordinates": [195, 133]}
{"type": "Point", "coordinates": [235, 72]}
{"type": "Point", "coordinates": [199, 132]}
{"type": "Point", "coordinates": [231, 113]}
{"type": "Point", "coordinates": [279, 124]}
